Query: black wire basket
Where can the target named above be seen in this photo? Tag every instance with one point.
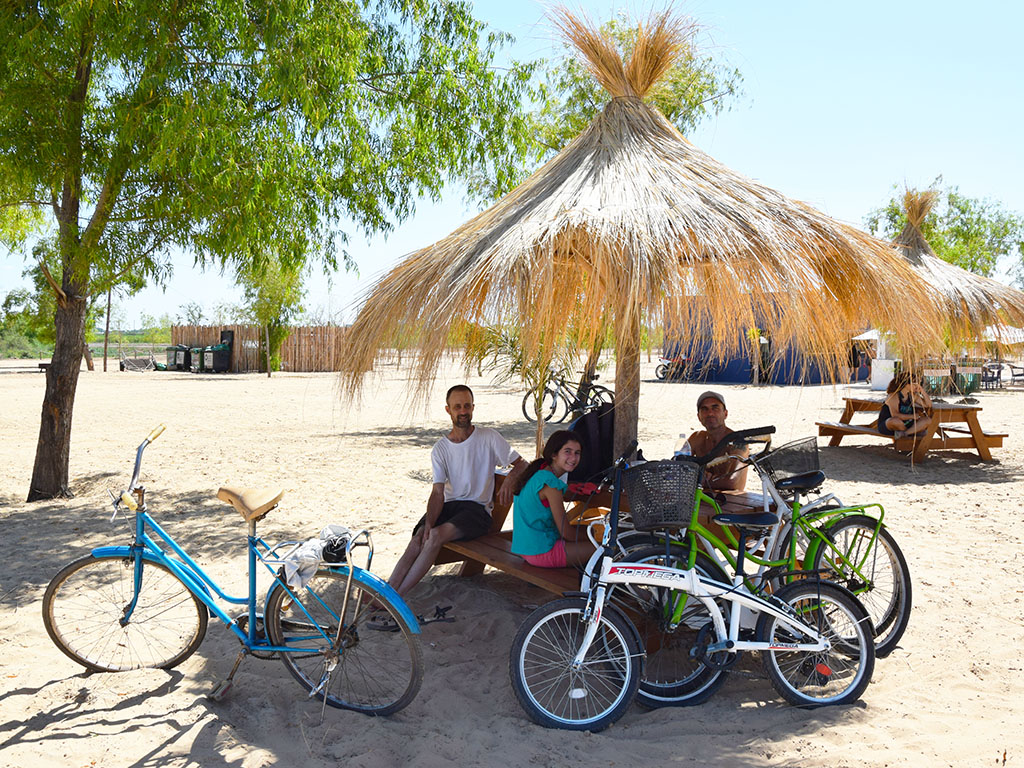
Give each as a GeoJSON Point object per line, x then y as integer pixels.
{"type": "Point", "coordinates": [796, 458]}
{"type": "Point", "coordinates": [661, 494]}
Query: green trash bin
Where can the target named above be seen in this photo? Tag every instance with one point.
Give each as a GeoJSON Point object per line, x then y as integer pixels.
{"type": "Point", "coordinates": [196, 360]}
{"type": "Point", "coordinates": [217, 358]}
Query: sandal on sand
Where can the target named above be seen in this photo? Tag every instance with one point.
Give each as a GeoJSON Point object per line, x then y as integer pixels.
{"type": "Point", "coordinates": [382, 622]}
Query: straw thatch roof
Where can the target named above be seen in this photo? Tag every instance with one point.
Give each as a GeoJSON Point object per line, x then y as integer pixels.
{"type": "Point", "coordinates": [972, 303]}
{"type": "Point", "coordinates": [632, 220]}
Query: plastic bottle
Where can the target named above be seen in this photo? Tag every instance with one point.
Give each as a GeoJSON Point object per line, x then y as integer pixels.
{"type": "Point", "coordinates": [682, 447]}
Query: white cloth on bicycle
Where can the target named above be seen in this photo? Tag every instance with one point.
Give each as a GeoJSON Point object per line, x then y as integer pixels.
{"type": "Point", "coordinates": [467, 468]}
{"type": "Point", "coordinates": [301, 565]}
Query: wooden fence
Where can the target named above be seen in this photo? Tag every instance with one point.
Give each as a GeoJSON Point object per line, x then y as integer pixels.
{"type": "Point", "coordinates": [307, 348]}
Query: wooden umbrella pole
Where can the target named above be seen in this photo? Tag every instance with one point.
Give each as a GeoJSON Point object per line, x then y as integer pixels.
{"type": "Point", "coordinates": [627, 378]}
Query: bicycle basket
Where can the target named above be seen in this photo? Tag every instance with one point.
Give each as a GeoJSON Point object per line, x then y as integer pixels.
{"type": "Point", "coordinates": [661, 494]}
{"type": "Point", "coordinates": [791, 459]}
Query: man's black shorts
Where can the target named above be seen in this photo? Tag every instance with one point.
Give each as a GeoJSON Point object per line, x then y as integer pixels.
{"type": "Point", "coordinates": [469, 517]}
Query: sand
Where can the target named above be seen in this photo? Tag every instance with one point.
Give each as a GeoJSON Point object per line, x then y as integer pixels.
{"type": "Point", "coordinates": [951, 694]}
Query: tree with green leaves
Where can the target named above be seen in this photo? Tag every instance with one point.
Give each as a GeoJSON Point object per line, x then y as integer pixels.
{"type": "Point", "coordinates": [970, 232]}
{"type": "Point", "coordinates": [273, 296]}
{"type": "Point", "coordinates": [233, 130]}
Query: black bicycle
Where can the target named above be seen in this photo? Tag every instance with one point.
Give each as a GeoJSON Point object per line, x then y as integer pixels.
{"type": "Point", "coordinates": [563, 397]}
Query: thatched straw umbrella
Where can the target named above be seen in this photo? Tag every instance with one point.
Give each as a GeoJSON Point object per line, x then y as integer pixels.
{"type": "Point", "coordinates": [631, 220]}
{"type": "Point", "coordinates": [974, 305]}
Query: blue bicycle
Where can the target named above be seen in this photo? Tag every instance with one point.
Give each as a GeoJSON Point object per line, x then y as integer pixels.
{"type": "Point", "coordinates": [147, 604]}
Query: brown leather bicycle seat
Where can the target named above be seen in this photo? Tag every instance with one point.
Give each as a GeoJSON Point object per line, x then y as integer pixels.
{"type": "Point", "coordinates": [251, 503]}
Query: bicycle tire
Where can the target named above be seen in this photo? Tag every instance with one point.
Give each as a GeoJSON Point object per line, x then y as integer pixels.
{"type": "Point", "coordinates": [672, 677]}
{"type": "Point", "coordinates": [550, 691]}
{"type": "Point", "coordinates": [600, 395]}
{"type": "Point", "coordinates": [84, 603]}
{"type": "Point", "coordinates": [888, 596]}
{"type": "Point", "coordinates": [661, 371]}
{"type": "Point", "coordinates": [376, 673]}
{"type": "Point", "coordinates": [815, 679]}
{"type": "Point", "coordinates": [549, 404]}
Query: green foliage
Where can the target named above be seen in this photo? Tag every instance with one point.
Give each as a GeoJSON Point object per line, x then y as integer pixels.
{"type": "Point", "coordinates": [972, 233]}
{"type": "Point", "coordinates": [19, 337]}
{"type": "Point", "coordinates": [569, 98]}
{"type": "Point", "coordinates": [273, 299]}
{"type": "Point", "coordinates": [236, 130]}
{"type": "Point", "coordinates": [191, 314]}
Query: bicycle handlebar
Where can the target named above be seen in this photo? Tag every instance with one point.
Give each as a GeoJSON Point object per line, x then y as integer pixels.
{"type": "Point", "coordinates": [159, 430]}
{"type": "Point", "coordinates": [739, 437]}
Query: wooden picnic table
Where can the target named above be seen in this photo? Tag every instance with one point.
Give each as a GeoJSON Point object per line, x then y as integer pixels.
{"type": "Point", "coordinates": [494, 549]}
{"type": "Point", "coordinates": [945, 430]}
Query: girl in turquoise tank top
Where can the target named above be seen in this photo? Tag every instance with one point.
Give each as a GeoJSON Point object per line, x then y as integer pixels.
{"type": "Point", "coordinates": [541, 532]}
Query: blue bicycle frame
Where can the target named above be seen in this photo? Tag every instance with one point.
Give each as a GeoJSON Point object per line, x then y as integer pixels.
{"type": "Point", "coordinates": [145, 547]}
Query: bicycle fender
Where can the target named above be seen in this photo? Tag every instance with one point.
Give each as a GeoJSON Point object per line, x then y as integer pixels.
{"type": "Point", "coordinates": [386, 591]}
{"type": "Point", "coordinates": [127, 552]}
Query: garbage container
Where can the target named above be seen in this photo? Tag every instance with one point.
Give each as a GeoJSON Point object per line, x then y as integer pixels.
{"type": "Point", "coordinates": [217, 358]}
{"type": "Point", "coordinates": [176, 357]}
{"type": "Point", "coordinates": [196, 360]}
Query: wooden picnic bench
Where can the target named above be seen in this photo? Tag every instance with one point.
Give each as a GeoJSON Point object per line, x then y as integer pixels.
{"type": "Point", "coordinates": [945, 430]}
{"type": "Point", "coordinates": [494, 549]}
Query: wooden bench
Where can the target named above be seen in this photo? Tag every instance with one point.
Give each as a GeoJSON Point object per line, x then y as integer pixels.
{"type": "Point", "coordinates": [494, 549]}
{"type": "Point", "coordinates": [43, 367]}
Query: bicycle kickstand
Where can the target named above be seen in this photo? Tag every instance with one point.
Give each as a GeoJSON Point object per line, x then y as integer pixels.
{"type": "Point", "coordinates": [219, 693]}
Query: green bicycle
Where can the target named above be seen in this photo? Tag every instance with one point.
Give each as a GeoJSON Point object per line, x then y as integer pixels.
{"type": "Point", "coordinates": [847, 544]}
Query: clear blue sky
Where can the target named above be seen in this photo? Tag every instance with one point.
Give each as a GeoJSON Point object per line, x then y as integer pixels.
{"type": "Point", "coordinates": [840, 102]}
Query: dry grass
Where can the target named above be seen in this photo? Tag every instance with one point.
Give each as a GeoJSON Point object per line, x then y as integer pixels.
{"type": "Point", "coordinates": [970, 302]}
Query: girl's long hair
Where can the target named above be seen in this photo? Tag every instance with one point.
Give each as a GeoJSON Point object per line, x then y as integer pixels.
{"type": "Point", "coordinates": [899, 381]}
{"type": "Point", "coordinates": [551, 449]}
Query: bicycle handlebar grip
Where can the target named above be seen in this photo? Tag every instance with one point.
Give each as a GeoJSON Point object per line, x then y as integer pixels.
{"type": "Point", "coordinates": [743, 434]}
{"type": "Point", "coordinates": [156, 433]}
{"type": "Point", "coordinates": [128, 501]}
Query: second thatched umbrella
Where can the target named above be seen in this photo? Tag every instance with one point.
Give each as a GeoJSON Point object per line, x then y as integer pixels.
{"type": "Point", "coordinates": [973, 305]}
{"type": "Point", "coordinates": [629, 221]}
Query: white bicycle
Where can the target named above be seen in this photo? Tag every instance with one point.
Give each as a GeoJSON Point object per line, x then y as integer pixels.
{"type": "Point", "coordinates": [577, 663]}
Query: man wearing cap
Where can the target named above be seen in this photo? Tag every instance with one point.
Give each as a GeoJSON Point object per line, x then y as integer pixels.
{"type": "Point", "coordinates": [711, 413]}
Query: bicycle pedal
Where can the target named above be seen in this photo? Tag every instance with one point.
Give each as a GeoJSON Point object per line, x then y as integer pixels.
{"type": "Point", "coordinates": [220, 693]}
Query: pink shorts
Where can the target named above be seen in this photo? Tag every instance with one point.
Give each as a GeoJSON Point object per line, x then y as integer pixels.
{"type": "Point", "coordinates": [555, 558]}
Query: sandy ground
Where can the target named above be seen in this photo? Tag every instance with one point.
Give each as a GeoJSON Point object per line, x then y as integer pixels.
{"type": "Point", "coordinates": [952, 694]}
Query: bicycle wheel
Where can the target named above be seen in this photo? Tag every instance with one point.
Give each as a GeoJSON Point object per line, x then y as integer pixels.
{"type": "Point", "coordinates": [549, 404]}
{"type": "Point", "coordinates": [374, 672]}
{"type": "Point", "coordinates": [838, 675]}
{"type": "Point", "coordinates": [554, 694]}
{"type": "Point", "coordinates": [673, 675]}
{"type": "Point", "coordinates": [600, 395]}
{"type": "Point", "coordinates": [85, 602]}
{"type": "Point", "coordinates": [883, 584]}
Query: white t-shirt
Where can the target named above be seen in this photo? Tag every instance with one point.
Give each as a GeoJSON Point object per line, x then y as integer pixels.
{"type": "Point", "coordinates": [467, 468]}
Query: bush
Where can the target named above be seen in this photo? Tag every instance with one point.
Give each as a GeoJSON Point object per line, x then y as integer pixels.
{"type": "Point", "coordinates": [14, 344]}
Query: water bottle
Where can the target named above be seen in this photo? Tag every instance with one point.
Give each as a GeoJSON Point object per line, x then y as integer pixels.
{"type": "Point", "coordinates": [682, 449]}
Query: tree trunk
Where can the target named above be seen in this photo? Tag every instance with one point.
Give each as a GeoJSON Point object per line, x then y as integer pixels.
{"type": "Point", "coordinates": [87, 353]}
{"type": "Point", "coordinates": [627, 378]}
{"type": "Point", "coordinates": [106, 332]}
{"type": "Point", "coordinates": [50, 473]}
{"type": "Point", "coordinates": [591, 367]}
{"type": "Point", "coordinates": [266, 330]}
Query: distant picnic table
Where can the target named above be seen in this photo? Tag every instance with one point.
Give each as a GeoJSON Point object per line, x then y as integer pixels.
{"type": "Point", "coordinates": [946, 430]}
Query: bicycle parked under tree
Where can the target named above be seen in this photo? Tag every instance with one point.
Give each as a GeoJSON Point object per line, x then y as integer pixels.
{"type": "Point", "coordinates": [563, 398]}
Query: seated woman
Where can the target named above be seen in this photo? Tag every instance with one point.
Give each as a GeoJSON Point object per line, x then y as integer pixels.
{"type": "Point", "coordinates": [541, 531]}
{"type": "Point", "coordinates": [905, 410]}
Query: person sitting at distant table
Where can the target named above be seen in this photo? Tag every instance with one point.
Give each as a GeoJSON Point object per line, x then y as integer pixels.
{"type": "Point", "coordinates": [906, 410]}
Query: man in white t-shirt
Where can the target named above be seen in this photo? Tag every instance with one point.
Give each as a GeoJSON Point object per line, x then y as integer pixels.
{"type": "Point", "coordinates": [459, 507]}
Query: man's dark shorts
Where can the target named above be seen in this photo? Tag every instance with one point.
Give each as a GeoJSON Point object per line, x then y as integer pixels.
{"type": "Point", "coordinates": [469, 517]}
